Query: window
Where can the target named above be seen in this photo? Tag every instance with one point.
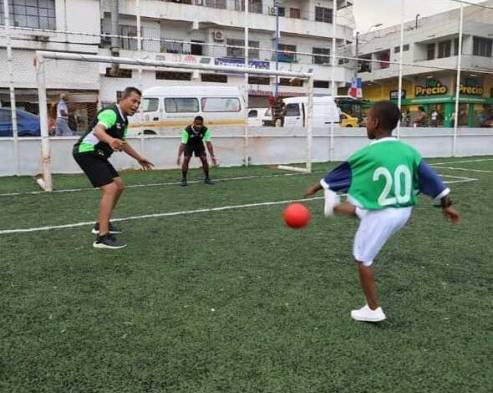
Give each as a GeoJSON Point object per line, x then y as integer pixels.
{"type": "Point", "coordinates": [290, 82]}
{"type": "Point", "coordinates": [129, 31]}
{"type": "Point", "coordinates": [321, 84]}
{"type": "Point", "coordinates": [239, 51]}
{"type": "Point", "coordinates": [430, 51]}
{"type": "Point", "coordinates": [175, 76]}
{"type": "Point", "coordinates": [258, 80]}
{"type": "Point", "coordinates": [213, 104]}
{"type": "Point", "coordinates": [321, 59]}
{"type": "Point", "coordinates": [171, 46]}
{"type": "Point", "coordinates": [444, 49]}
{"type": "Point", "coordinates": [323, 14]}
{"type": "Point", "coordinates": [38, 14]}
{"type": "Point", "coordinates": [181, 105]}
{"type": "Point", "coordinates": [293, 110]}
{"type": "Point", "coordinates": [216, 4]}
{"type": "Point", "coordinates": [456, 46]}
{"type": "Point", "coordinates": [254, 6]}
{"type": "Point", "coordinates": [232, 51]}
{"type": "Point", "coordinates": [121, 73]}
{"type": "Point", "coordinates": [218, 78]}
{"type": "Point", "coordinates": [197, 48]}
{"type": "Point", "coordinates": [150, 104]}
{"type": "Point", "coordinates": [295, 13]}
{"type": "Point", "coordinates": [281, 11]}
{"type": "Point", "coordinates": [253, 113]}
{"type": "Point", "coordinates": [482, 46]}
{"type": "Point", "coordinates": [286, 53]}
{"type": "Point", "coordinates": [405, 48]}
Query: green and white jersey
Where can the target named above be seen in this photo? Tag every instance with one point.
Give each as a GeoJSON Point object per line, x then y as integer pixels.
{"type": "Point", "coordinates": [192, 137]}
{"type": "Point", "coordinates": [115, 123]}
{"type": "Point", "coordinates": [386, 173]}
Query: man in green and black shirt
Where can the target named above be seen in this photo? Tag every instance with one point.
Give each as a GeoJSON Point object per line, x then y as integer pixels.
{"type": "Point", "coordinates": [192, 142]}
{"type": "Point", "coordinates": [106, 135]}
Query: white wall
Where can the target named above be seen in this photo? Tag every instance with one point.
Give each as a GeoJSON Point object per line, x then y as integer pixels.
{"type": "Point", "coordinates": [266, 146]}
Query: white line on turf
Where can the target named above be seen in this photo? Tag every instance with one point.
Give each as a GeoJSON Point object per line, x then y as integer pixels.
{"type": "Point", "coordinates": [465, 169]}
{"type": "Point", "coordinates": [461, 162]}
{"type": "Point", "coordinates": [175, 183]}
{"type": "Point", "coordinates": [179, 213]}
{"type": "Point", "coordinates": [157, 215]}
{"type": "Point", "coordinates": [252, 177]}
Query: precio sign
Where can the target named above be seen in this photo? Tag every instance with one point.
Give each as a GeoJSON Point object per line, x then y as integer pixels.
{"type": "Point", "coordinates": [471, 87]}
{"type": "Point", "coordinates": [433, 87]}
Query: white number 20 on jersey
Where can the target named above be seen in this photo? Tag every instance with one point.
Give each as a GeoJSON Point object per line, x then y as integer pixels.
{"type": "Point", "coordinates": [401, 195]}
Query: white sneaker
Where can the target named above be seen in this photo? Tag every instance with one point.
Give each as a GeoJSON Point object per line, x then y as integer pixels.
{"type": "Point", "coordinates": [331, 199]}
{"type": "Point", "coordinates": [366, 314]}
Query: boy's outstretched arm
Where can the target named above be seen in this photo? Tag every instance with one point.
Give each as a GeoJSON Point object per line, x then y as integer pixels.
{"type": "Point", "coordinates": [432, 185]}
{"type": "Point", "coordinates": [338, 179]}
{"type": "Point", "coordinates": [312, 190]}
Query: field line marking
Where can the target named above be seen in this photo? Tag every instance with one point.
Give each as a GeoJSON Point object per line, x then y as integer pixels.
{"type": "Point", "coordinates": [174, 183]}
{"type": "Point", "coordinates": [157, 215]}
{"type": "Point", "coordinates": [461, 162]}
{"type": "Point", "coordinates": [465, 169]}
{"type": "Point", "coordinates": [178, 213]}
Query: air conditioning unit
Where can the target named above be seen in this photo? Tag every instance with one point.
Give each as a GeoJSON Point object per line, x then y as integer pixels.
{"type": "Point", "coordinates": [218, 36]}
{"type": "Point", "coordinates": [272, 11]}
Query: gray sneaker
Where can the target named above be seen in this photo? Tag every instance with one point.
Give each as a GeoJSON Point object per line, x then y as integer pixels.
{"type": "Point", "coordinates": [108, 241]}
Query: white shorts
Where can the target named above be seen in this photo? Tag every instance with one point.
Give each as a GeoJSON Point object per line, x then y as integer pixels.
{"type": "Point", "coordinates": [375, 228]}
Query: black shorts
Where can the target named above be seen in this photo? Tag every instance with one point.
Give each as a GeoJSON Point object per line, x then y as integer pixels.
{"type": "Point", "coordinates": [198, 150]}
{"type": "Point", "coordinates": [97, 168]}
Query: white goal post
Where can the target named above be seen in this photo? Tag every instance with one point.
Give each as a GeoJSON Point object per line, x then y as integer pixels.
{"type": "Point", "coordinates": [47, 183]}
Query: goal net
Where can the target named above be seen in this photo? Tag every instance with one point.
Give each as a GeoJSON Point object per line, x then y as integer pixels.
{"type": "Point", "coordinates": [243, 134]}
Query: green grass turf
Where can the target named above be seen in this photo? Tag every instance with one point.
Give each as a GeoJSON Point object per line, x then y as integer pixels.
{"type": "Point", "coordinates": [234, 301]}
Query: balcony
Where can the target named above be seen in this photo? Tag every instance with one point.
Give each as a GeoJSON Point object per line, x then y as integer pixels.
{"type": "Point", "coordinates": [322, 72]}
{"type": "Point", "coordinates": [228, 13]}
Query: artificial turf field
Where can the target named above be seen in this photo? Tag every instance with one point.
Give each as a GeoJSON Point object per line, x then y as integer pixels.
{"type": "Point", "coordinates": [232, 300]}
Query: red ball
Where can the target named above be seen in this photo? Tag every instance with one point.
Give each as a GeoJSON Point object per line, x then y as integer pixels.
{"type": "Point", "coordinates": [296, 215]}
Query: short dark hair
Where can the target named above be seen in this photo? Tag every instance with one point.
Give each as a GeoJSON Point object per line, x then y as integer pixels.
{"type": "Point", "coordinates": [199, 118]}
{"type": "Point", "coordinates": [387, 113]}
{"type": "Point", "coordinates": [129, 90]}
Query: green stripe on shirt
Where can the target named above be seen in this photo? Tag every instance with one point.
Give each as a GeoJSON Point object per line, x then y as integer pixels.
{"type": "Point", "coordinates": [107, 118]}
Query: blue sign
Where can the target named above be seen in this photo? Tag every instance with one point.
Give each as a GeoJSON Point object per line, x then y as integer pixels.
{"type": "Point", "coordinates": [240, 62]}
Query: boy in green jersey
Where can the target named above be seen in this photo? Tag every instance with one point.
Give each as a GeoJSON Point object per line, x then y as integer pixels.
{"type": "Point", "coordinates": [381, 181]}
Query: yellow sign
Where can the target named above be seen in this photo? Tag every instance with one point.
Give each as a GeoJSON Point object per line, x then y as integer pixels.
{"type": "Point", "coordinates": [433, 88]}
{"type": "Point", "coordinates": [471, 90]}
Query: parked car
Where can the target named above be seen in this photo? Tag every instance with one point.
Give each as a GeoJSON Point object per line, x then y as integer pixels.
{"type": "Point", "coordinates": [27, 123]}
{"type": "Point", "coordinates": [348, 120]}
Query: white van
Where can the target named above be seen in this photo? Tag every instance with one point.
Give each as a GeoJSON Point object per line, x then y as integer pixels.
{"type": "Point", "coordinates": [325, 111]}
{"type": "Point", "coordinates": [170, 108]}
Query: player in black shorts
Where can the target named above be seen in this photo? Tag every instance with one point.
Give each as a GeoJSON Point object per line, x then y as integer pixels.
{"type": "Point", "coordinates": [192, 142]}
{"type": "Point", "coordinates": [106, 135]}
